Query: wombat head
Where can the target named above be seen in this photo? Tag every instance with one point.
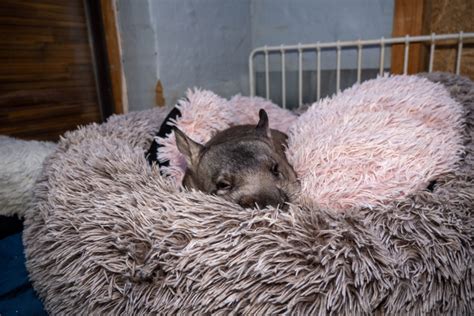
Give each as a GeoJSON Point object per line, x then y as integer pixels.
{"type": "Point", "coordinates": [245, 164]}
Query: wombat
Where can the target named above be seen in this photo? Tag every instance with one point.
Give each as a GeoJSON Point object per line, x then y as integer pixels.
{"type": "Point", "coordinates": [245, 164]}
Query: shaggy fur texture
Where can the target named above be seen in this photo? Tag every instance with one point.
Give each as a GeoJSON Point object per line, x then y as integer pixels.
{"type": "Point", "coordinates": [21, 163]}
{"type": "Point", "coordinates": [376, 142]}
{"type": "Point", "coordinates": [108, 235]}
{"type": "Point", "coordinates": [371, 144]}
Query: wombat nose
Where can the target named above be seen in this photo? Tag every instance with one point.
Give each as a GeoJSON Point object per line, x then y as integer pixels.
{"type": "Point", "coordinates": [277, 199]}
{"type": "Point", "coordinates": [248, 202]}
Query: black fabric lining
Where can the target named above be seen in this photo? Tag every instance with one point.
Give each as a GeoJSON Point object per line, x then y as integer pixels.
{"type": "Point", "coordinates": [165, 129]}
{"type": "Point", "coordinates": [10, 225]}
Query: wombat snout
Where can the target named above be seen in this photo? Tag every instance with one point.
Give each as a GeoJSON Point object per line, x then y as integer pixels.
{"type": "Point", "coordinates": [276, 199]}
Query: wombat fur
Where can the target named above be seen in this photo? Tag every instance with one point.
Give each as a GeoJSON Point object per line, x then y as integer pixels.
{"type": "Point", "coordinates": [245, 164]}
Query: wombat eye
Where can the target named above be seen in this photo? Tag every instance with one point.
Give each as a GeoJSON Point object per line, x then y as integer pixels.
{"type": "Point", "coordinates": [223, 186]}
{"type": "Point", "coordinates": [275, 169]}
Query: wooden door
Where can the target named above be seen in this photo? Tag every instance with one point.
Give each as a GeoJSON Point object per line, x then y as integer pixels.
{"type": "Point", "coordinates": [47, 80]}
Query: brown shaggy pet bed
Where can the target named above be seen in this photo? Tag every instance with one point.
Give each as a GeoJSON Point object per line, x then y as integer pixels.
{"type": "Point", "coordinates": [109, 235]}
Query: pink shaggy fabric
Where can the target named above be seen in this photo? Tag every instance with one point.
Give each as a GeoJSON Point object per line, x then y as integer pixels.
{"type": "Point", "coordinates": [204, 113]}
{"type": "Point", "coordinates": [373, 143]}
{"type": "Point", "coordinates": [376, 142]}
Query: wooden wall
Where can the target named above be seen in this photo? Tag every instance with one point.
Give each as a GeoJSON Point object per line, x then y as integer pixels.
{"type": "Point", "coordinates": [451, 16]}
{"type": "Point", "coordinates": [423, 17]}
{"type": "Point", "coordinates": [47, 83]}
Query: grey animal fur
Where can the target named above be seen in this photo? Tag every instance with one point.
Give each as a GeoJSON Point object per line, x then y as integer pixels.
{"type": "Point", "coordinates": [108, 235]}
{"type": "Point", "coordinates": [245, 164]}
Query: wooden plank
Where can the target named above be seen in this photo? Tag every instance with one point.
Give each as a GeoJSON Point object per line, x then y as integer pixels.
{"type": "Point", "coordinates": [72, 82]}
{"type": "Point", "coordinates": [38, 10]}
{"type": "Point", "coordinates": [40, 73]}
{"type": "Point", "coordinates": [79, 35]}
{"type": "Point", "coordinates": [32, 35]}
{"type": "Point", "coordinates": [47, 111]}
{"type": "Point", "coordinates": [50, 131]}
{"type": "Point", "coordinates": [33, 68]}
{"type": "Point", "coordinates": [29, 77]}
{"type": "Point", "coordinates": [54, 6]}
{"type": "Point", "coordinates": [114, 53]}
{"type": "Point", "coordinates": [411, 17]}
{"type": "Point", "coordinates": [14, 48]}
{"type": "Point", "coordinates": [43, 111]}
{"type": "Point", "coordinates": [66, 55]}
{"type": "Point", "coordinates": [45, 115]}
{"type": "Point", "coordinates": [47, 84]}
{"type": "Point", "coordinates": [18, 21]}
{"type": "Point", "coordinates": [36, 35]}
{"type": "Point", "coordinates": [19, 99]}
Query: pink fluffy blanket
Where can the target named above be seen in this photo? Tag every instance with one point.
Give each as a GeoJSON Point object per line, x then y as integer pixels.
{"type": "Point", "coordinates": [373, 143]}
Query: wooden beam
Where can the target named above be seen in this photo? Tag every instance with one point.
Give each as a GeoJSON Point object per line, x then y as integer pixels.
{"type": "Point", "coordinates": [411, 17]}
{"type": "Point", "coordinates": [112, 40]}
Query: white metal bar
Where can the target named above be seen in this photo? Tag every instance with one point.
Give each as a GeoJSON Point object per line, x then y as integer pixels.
{"type": "Point", "coordinates": [318, 73]}
{"type": "Point", "coordinates": [283, 79]}
{"type": "Point", "coordinates": [300, 77]}
{"type": "Point", "coordinates": [251, 75]}
{"type": "Point", "coordinates": [432, 50]}
{"type": "Point", "coordinates": [338, 69]}
{"type": "Point", "coordinates": [458, 59]}
{"type": "Point", "coordinates": [359, 62]}
{"type": "Point", "coordinates": [267, 76]}
{"type": "Point", "coordinates": [405, 57]}
{"type": "Point", "coordinates": [395, 40]}
{"type": "Point", "coordinates": [382, 56]}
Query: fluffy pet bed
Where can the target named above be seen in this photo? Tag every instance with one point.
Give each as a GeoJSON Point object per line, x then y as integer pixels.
{"type": "Point", "coordinates": [108, 234]}
{"type": "Point", "coordinates": [20, 167]}
{"type": "Point", "coordinates": [374, 143]}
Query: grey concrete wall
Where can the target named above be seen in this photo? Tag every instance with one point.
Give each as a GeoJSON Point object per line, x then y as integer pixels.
{"type": "Point", "coordinates": [185, 44]}
{"type": "Point", "coordinates": [203, 43]}
{"type": "Point", "coordinates": [276, 22]}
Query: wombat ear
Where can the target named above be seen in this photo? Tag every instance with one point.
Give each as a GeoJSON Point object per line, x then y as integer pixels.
{"type": "Point", "coordinates": [262, 126]}
{"type": "Point", "coordinates": [188, 147]}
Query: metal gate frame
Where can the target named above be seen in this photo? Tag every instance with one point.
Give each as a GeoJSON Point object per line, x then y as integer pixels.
{"type": "Point", "coordinates": [359, 44]}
